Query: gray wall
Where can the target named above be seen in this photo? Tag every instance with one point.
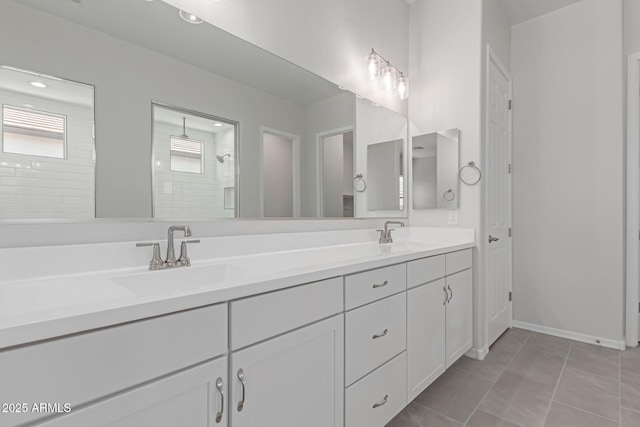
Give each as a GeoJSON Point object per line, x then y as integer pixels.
{"type": "Point", "coordinates": [568, 169]}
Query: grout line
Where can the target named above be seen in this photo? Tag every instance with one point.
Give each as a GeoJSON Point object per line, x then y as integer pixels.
{"type": "Point", "coordinates": [555, 390]}
{"type": "Point", "coordinates": [495, 381]}
{"type": "Point", "coordinates": [585, 411]}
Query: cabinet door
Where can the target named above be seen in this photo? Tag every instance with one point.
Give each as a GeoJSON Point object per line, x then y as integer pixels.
{"type": "Point", "coordinates": [191, 398]}
{"type": "Point", "coordinates": [294, 380]}
{"type": "Point", "coordinates": [459, 315]}
{"type": "Point", "coordinates": [426, 308]}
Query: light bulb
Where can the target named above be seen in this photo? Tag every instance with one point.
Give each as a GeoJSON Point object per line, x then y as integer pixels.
{"type": "Point", "coordinates": [190, 18]}
{"type": "Point", "coordinates": [388, 78]}
{"type": "Point", "coordinates": [403, 88]}
{"type": "Point", "coordinates": [373, 68]}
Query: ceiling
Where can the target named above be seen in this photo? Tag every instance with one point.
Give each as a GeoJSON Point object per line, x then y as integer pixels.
{"type": "Point", "coordinates": [157, 26]}
{"type": "Point", "coordinates": [18, 81]}
{"type": "Point", "coordinates": [523, 10]}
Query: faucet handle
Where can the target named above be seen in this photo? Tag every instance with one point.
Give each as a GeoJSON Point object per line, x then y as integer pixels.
{"type": "Point", "coordinates": [184, 258]}
{"type": "Point", "coordinates": [156, 262]}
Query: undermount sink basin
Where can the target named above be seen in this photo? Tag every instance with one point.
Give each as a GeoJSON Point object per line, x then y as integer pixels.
{"type": "Point", "coordinates": [185, 278]}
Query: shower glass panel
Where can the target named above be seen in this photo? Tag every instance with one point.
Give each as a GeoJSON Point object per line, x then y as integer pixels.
{"type": "Point", "coordinates": [194, 165]}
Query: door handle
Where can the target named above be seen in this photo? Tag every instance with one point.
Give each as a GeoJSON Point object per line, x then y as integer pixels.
{"type": "Point", "coordinates": [446, 296]}
{"type": "Point", "coordinates": [220, 389]}
{"type": "Point", "coordinates": [493, 239]}
{"type": "Point", "coordinates": [241, 378]}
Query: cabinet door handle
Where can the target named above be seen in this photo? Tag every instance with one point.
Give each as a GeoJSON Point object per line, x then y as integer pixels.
{"type": "Point", "coordinates": [446, 295]}
{"type": "Point", "coordinates": [384, 401]}
{"type": "Point", "coordinates": [376, 285]}
{"type": "Point", "coordinates": [241, 378]}
{"type": "Point", "coordinates": [385, 332]}
{"type": "Point", "coordinates": [220, 389]}
{"type": "Point", "coordinates": [450, 296]}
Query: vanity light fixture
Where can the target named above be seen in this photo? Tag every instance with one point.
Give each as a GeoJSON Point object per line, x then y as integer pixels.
{"type": "Point", "coordinates": [190, 18]}
{"type": "Point", "coordinates": [392, 78]}
{"type": "Point", "coordinates": [38, 84]}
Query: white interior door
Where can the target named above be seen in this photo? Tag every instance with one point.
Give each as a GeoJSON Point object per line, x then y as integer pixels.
{"type": "Point", "coordinates": [498, 197]}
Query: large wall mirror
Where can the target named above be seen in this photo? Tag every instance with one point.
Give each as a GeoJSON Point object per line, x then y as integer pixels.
{"type": "Point", "coordinates": [192, 122]}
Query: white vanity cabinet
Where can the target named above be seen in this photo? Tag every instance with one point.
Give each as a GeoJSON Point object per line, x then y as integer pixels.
{"type": "Point", "coordinates": [82, 369]}
{"type": "Point", "coordinates": [292, 372]}
{"type": "Point", "coordinates": [439, 316]}
{"type": "Point", "coordinates": [194, 397]}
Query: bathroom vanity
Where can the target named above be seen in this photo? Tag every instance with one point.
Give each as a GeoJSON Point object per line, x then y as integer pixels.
{"type": "Point", "coordinates": [343, 333]}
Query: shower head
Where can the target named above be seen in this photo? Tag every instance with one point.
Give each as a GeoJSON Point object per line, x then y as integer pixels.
{"type": "Point", "coordinates": [220, 157]}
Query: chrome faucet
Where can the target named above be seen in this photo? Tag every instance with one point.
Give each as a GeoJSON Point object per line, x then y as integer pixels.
{"type": "Point", "coordinates": [157, 263]}
{"type": "Point", "coordinates": [385, 235]}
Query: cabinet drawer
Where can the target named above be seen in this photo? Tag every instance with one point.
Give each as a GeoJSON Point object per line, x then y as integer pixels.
{"type": "Point", "coordinates": [377, 398]}
{"type": "Point", "coordinates": [374, 334]}
{"type": "Point", "coordinates": [373, 285]}
{"type": "Point", "coordinates": [425, 270]}
{"type": "Point", "coordinates": [262, 316]}
{"type": "Point", "coordinates": [458, 261]}
{"type": "Point", "coordinates": [85, 367]}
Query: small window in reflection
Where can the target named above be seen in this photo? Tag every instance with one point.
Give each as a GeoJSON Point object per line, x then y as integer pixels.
{"type": "Point", "coordinates": [33, 133]}
{"type": "Point", "coordinates": [186, 155]}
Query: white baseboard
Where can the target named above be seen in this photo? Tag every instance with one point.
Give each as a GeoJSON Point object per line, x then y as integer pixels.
{"type": "Point", "coordinates": [604, 342]}
{"type": "Point", "coordinates": [476, 353]}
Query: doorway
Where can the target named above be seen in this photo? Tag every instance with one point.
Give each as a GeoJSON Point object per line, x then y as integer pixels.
{"type": "Point", "coordinates": [498, 206]}
{"type": "Point", "coordinates": [335, 174]}
{"type": "Point", "coordinates": [280, 164]}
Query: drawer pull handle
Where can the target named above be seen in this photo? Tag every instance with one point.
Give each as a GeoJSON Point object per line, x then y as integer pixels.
{"type": "Point", "coordinates": [385, 332]}
{"type": "Point", "coordinates": [451, 296]}
{"type": "Point", "coordinates": [241, 378]}
{"type": "Point", "coordinates": [220, 389]}
{"type": "Point", "coordinates": [376, 285]}
{"type": "Point", "coordinates": [384, 401]}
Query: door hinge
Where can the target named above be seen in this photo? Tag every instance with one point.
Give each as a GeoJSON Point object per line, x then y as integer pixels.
{"type": "Point", "coordinates": [510, 232]}
{"type": "Point", "coordinates": [510, 296]}
{"type": "Point", "coordinates": [510, 105]}
{"type": "Point", "coordinates": [510, 169]}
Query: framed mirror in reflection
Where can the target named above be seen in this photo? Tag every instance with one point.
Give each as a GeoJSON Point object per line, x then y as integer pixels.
{"type": "Point", "coordinates": [276, 154]}
{"type": "Point", "coordinates": [435, 170]}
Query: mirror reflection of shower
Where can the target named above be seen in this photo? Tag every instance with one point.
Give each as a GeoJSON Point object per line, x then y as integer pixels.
{"type": "Point", "coordinates": [189, 177]}
{"type": "Point", "coordinates": [220, 157]}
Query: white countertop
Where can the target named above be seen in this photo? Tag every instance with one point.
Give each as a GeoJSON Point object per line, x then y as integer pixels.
{"type": "Point", "coordinates": [37, 308]}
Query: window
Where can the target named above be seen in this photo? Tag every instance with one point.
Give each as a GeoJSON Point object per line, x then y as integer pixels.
{"type": "Point", "coordinates": [186, 155]}
{"type": "Point", "coordinates": [33, 133]}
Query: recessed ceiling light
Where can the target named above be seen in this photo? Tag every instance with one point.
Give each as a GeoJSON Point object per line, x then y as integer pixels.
{"type": "Point", "coordinates": [191, 19]}
{"type": "Point", "coordinates": [27, 105]}
{"type": "Point", "coordinates": [38, 84]}
{"type": "Point", "coordinates": [217, 124]}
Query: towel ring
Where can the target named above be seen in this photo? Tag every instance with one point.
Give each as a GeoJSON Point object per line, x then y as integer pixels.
{"type": "Point", "coordinates": [470, 174]}
{"type": "Point", "coordinates": [449, 195]}
{"type": "Point", "coordinates": [356, 178]}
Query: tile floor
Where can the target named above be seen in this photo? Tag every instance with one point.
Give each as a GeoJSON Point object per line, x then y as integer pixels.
{"type": "Point", "coordinates": [530, 380]}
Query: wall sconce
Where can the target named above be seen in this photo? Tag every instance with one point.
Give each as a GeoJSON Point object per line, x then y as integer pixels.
{"type": "Point", "coordinates": [392, 78]}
